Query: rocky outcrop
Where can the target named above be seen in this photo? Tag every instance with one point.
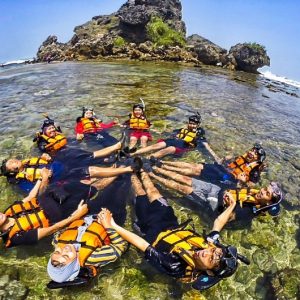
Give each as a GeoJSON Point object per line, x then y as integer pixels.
{"type": "Point", "coordinates": [149, 30]}
{"type": "Point", "coordinates": [249, 57]}
{"type": "Point", "coordinates": [207, 52]}
{"type": "Point", "coordinates": [134, 16]}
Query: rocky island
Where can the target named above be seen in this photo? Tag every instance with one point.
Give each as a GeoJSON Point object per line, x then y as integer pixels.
{"type": "Point", "coordinates": [150, 30]}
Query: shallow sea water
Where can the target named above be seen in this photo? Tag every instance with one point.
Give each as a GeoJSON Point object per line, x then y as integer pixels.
{"type": "Point", "coordinates": [237, 109]}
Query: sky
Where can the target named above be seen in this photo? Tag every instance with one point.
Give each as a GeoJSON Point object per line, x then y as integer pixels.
{"type": "Point", "coordinates": [25, 24]}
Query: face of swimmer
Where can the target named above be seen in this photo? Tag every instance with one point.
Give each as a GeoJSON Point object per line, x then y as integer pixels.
{"type": "Point", "coordinates": [264, 196]}
{"type": "Point", "coordinates": [208, 259]}
{"type": "Point", "coordinates": [89, 114]}
{"type": "Point", "coordinates": [50, 131]}
{"type": "Point", "coordinates": [138, 112]}
{"type": "Point", "coordinates": [3, 219]}
{"type": "Point", "coordinates": [192, 126]}
{"type": "Point", "coordinates": [63, 256]}
{"type": "Point", "coordinates": [13, 165]}
{"type": "Point", "coordinates": [252, 155]}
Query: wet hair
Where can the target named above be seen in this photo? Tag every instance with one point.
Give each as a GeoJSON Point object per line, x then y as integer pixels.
{"type": "Point", "coordinates": [10, 175]}
{"type": "Point", "coordinates": [3, 168]}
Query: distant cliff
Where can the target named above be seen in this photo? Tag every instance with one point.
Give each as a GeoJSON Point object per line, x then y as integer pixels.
{"type": "Point", "coordinates": [149, 30]}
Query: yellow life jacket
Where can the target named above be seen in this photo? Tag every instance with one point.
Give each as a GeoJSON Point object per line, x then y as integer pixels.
{"type": "Point", "coordinates": [32, 217]}
{"type": "Point", "coordinates": [31, 170]}
{"type": "Point", "coordinates": [244, 196]}
{"type": "Point", "coordinates": [188, 136]}
{"type": "Point", "coordinates": [240, 165]}
{"type": "Point", "coordinates": [95, 236]}
{"type": "Point", "coordinates": [56, 143]}
{"type": "Point", "coordinates": [138, 123]}
{"type": "Point", "coordinates": [90, 125]}
{"type": "Point", "coordinates": [184, 243]}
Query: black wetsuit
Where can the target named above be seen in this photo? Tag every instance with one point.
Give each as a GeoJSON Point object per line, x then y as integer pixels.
{"type": "Point", "coordinates": [62, 198]}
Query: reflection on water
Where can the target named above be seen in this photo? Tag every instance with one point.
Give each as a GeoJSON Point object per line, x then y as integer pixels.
{"type": "Point", "coordinates": [237, 110]}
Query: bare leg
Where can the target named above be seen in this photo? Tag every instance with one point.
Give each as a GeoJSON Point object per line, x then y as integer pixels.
{"type": "Point", "coordinates": [185, 165]}
{"type": "Point", "coordinates": [164, 152]}
{"type": "Point", "coordinates": [133, 142]}
{"type": "Point", "coordinates": [175, 176]}
{"type": "Point", "coordinates": [137, 186]}
{"type": "Point", "coordinates": [108, 172]}
{"type": "Point", "coordinates": [184, 189]}
{"type": "Point", "coordinates": [152, 192]}
{"type": "Point", "coordinates": [107, 151]}
{"type": "Point", "coordinates": [150, 148]}
{"type": "Point", "coordinates": [99, 184]}
{"type": "Point", "coordinates": [102, 183]}
{"type": "Point", "coordinates": [144, 140]}
{"type": "Point", "coordinates": [184, 171]}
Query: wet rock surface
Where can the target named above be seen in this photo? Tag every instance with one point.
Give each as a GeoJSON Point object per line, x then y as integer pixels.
{"type": "Point", "coordinates": [123, 34]}
{"type": "Point", "coordinates": [249, 57]}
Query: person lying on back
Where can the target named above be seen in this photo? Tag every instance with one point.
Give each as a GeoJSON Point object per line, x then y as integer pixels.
{"type": "Point", "coordinates": [82, 249]}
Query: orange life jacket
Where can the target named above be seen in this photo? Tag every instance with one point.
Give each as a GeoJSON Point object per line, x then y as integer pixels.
{"type": "Point", "coordinates": [138, 123]}
{"type": "Point", "coordinates": [95, 236]}
{"type": "Point", "coordinates": [56, 143]}
{"type": "Point", "coordinates": [20, 207]}
{"type": "Point", "coordinates": [31, 170]}
{"type": "Point", "coordinates": [90, 125]}
{"type": "Point", "coordinates": [240, 165]}
{"type": "Point", "coordinates": [188, 136]}
{"type": "Point", "coordinates": [27, 216]}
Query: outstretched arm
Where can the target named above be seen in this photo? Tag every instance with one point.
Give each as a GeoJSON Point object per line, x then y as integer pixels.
{"type": "Point", "coordinates": [40, 185]}
{"type": "Point", "coordinates": [77, 214]}
{"type": "Point", "coordinates": [224, 217]}
{"type": "Point", "coordinates": [129, 236]}
{"type": "Point", "coordinates": [212, 153]}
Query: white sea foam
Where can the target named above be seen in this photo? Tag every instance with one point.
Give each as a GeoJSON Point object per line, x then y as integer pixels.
{"type": "Point", "coordinates": [15, 62]}
{"type": "Point", "coordinates": [270, 75]}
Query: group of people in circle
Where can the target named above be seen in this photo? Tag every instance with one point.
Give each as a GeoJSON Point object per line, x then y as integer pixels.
{"type": "Point", "coordinates": [81, 197]}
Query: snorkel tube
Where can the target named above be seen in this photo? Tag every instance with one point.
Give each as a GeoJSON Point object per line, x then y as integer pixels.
{"type": "Point", "coordinates": [228, 266]}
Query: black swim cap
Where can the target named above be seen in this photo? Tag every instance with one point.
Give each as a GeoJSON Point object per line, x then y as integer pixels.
{"type": "Point", "coordinates": [260, 151]}
{"type": "Point", "coordinates": [138, 105]}
{"type": "Point", "coordinates": [195, 119]}
{"type": "Point", "coordinates": [47, 123]}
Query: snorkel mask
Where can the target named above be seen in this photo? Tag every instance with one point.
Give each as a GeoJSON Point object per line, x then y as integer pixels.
{"type": "Point", "coordinates": [274, 208]}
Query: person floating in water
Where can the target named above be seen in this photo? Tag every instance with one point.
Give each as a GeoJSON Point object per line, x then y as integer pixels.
{"type": "Point", "coordinates": [50, 139]}
{"type": "Point", "coordinates": [82, 249]}
{"type": "Point", "coordinates": [174, 249]}
{"type": "Point", "coordinates": [245, 169]}
{"type": "Point", "coordinates": [26, 222]}
{"type": "Point", "coordinates": [88, 125]}
{"type": "Point", "coordinates": [213, 199]}
{"type": "Point", "coordinates": [138, 125]}
{"type": "Point", "coordinates": [185, 139]}
{"type": "Point", "coordinates": [27, 171]}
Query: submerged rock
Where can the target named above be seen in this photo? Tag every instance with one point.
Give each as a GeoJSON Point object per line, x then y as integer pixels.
{"type": "Point", "coordinates": [286, 284]}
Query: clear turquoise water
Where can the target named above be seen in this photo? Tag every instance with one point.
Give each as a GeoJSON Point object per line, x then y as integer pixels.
{"type": "Point", "coordinates": [237, 110]}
